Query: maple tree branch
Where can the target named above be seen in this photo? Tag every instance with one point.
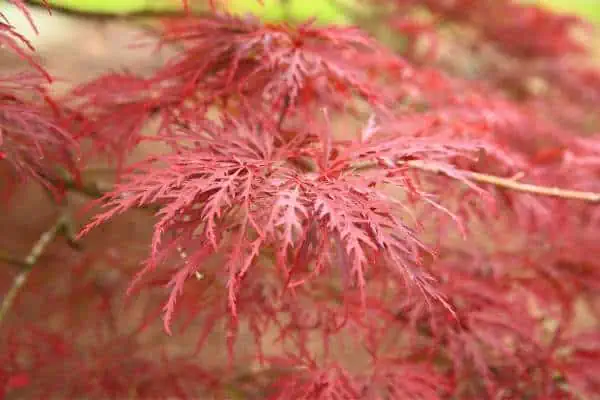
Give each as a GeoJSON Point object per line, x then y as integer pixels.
{"type": "Point", "coordinates": [535, 189]}
{"type": "Point", "coordinates": [8, 259]}
{"type": "Point", "coordinates": [30, 261]}
{"type": "Point", "coordinates": [96, 189]}
{"type": "Point", "coordinates": [508, 183]}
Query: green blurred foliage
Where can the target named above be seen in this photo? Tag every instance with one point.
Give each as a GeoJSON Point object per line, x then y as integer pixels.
{"type": "Point", "coordinates": [589, 9]}
{"type": "Point", "coordinates": [326, 11]}
{"type": "Point", "coordinates": [271, 10]}
{"type": "Point", "coordinates": [116, 7]}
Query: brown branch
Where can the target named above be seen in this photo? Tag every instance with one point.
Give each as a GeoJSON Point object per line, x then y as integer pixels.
{"type": "Point", "coordinates": [512, 184]}
{"type": "Point", "coordinates": [30, 261]}
{"type": "Point", "coordinates": [507, 183]}
{"type": "Point", "coordinates": [93, 189]}
{"type": "Point", "coordinates": [8, 259]}
{"type": "Point", "coordinates": [97, 189]}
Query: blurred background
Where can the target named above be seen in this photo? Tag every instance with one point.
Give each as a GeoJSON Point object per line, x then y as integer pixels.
{"type": "Point", "coordinates": [85, 38]}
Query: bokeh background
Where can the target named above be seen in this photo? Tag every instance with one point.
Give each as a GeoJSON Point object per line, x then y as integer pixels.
{"type": "Point", "coordinates": [76, 47]}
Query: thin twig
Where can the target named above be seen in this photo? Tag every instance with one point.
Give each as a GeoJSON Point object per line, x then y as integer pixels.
{"type": "Point", "coordinates": [94, 189]}
{"type": "Point", "coordinates": [8, 259]}
{"type": "Point", "coordinates": [36, 251]}
{"type": "Point", "coordinates": [97, 190]}
{"type": "Point", "coordinates": [508, 183]}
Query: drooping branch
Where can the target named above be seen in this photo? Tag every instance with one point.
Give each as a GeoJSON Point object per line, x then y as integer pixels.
{"type": "Point", "coordinates": [96, 189]}
{"type": "Point", "coordinates": [62, 223]}
{"type": "Point", "coordinates": [507, 183]}
{"type": "Point", "coordinates": [513, 184]}
{"type": "Point", "coordinates": [8, 259]}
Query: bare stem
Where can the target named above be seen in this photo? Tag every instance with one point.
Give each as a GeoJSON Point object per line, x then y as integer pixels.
{"type": "Point", "coordinates": [27, 265]}
{"type": "Point", "coordinates": [510, 183]}
{"type": "Point", "coordinates": [97, 189]}
{"type": "Point", "coordinates": [8, 259]}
